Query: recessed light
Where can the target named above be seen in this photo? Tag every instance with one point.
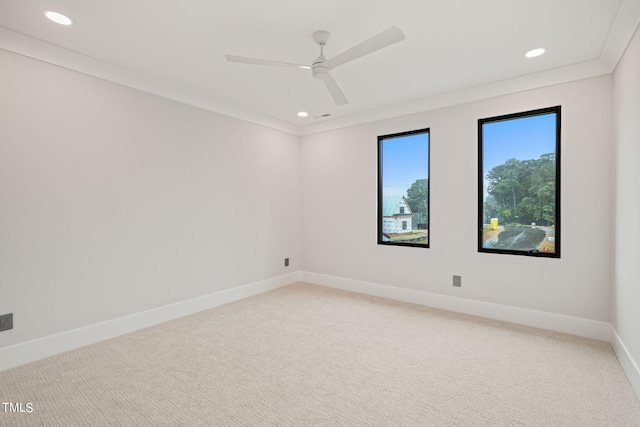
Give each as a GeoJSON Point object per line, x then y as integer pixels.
{"type": "Point", "coordinates": [58, 18]}
{"type": "Point", "coordinates": [534, 52]}
{"type": "Point", "coordinates": [303, 114]}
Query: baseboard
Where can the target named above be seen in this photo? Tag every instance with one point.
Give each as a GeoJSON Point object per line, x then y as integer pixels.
{"type": "Point", "coordinates": [539, 319]}
{"type": "Point", "coordinates": [630, 367]}
{"type": "Point", "coordinates": [40, 348]}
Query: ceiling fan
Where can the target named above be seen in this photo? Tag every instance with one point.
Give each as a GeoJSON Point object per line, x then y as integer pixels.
{"type": "Point", "coordinates": [321, 67]}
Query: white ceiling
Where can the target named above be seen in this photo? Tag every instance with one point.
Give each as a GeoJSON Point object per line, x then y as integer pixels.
{"type": "Point", "coordinates": [455, 50]}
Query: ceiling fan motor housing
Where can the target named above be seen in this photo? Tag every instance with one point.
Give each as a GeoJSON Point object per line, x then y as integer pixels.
{"type": "Point", "coordinates": [320, 69]}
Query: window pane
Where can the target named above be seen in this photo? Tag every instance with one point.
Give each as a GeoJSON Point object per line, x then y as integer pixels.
{"type": "Point", "coordinates": [403, 189]}
{"type": "Point", "coordinates": [519, 183]}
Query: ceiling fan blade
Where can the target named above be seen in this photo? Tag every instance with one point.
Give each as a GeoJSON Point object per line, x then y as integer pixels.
{"type": "Point", "coordinates": [256, 61]}
{"type": "Point", "coordinates": [334, 90]}
{"type": "Point", "coordinates": [386, 38]}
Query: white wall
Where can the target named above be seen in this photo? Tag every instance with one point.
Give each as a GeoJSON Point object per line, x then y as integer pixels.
{"type": "Point", "coordinates": [339, 173]}
{"type": "Point", "coordinates": [626, 295]}
{"type": "Point", "coordinates": [114, 201]}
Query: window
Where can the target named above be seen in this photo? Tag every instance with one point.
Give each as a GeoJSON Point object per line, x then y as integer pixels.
{"type": "Point", "coordinates": [519, 183]}
{"type": "Point", "coordinates": [403, 189]}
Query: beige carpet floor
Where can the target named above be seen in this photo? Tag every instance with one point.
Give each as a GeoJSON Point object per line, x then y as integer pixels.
{"type": "Point", "coordinates": [308, 355]}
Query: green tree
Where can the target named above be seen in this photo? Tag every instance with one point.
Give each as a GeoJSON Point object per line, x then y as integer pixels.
{"type": "Point", "coordinates": [418, 199]}
{"type": "Point", "coordinates": [504, 183]}
{"type": "Point", "coordinates": [524, 189]}
{"type": "Point", "coordinates": [506, 215]}
{"type": "Point", "coordinates": [491, 209]}
{"type": "Point", "coordinates": [527, 210]}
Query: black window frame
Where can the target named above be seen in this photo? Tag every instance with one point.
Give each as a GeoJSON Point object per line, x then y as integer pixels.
{"type": "Point", "coordinates": [380, 235]}
{"type": "Point", "coordinates": [557, 110]}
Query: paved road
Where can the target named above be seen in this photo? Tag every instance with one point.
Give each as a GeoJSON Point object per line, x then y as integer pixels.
{"type": "Point", "coordinates": [518, 238]}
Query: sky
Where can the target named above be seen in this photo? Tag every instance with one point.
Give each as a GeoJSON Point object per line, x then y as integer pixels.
{"type": "Point", "coordinates": [405, 159]}
{"type": "Point", "coordinates": [524, 138]}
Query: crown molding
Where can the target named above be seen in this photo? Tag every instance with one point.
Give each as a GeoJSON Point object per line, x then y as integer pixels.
{"type": "Point", "coordinates": [622, 30]}
{"type": "Point", "coordinates": [52, 54]}
{"type": "Point", "coordinates": [624, 26]}
{"type": "Point", "coordinates": [503, 87]}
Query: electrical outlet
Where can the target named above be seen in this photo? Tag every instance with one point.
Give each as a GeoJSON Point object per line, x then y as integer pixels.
{"type": "Point", "coordinates": [457, 281]}
{"type": "Point", "coordinates": [286, 262]}
{"type": "Point", "coordinates": [6, 322]}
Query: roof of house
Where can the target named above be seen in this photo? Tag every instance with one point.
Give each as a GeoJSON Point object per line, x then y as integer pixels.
{"type": "Point", "coordinates": [390, 205]}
